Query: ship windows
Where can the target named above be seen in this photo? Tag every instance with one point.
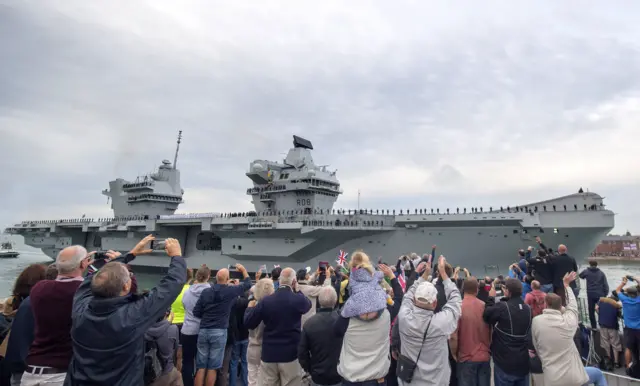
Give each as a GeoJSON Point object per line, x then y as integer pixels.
{"type": "Point", "coordinates": [239, 247]}
{"type": "Point", "coordinates": [515, 231]}
{"type": "Point", "coordinates": [208, 241]}
{"type": "Point", "coordinates": [555, 230]}
{"type": "Point", "coordinates": [97, 241]}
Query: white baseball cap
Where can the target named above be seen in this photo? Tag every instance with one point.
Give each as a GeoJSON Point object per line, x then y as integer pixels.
{"type": "Point", "coordinates": [426, 293]}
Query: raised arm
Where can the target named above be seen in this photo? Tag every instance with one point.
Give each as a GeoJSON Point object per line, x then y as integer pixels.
{"type": "Point", "coordinates": [253, 315]}
{"type": "Point", "coordinates": [571, 310]}
{"type": "Point", "coordinates": [447, 318]}
{"type": "Point", "coordinates": [148, 309]}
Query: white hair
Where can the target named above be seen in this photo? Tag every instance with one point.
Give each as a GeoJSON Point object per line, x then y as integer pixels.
{"type": "Point", "coordinates": [327, 297]}
{"type": "Point", "coordinates": [72, 263]}
{"type": "Point", "coordinates": [287, 276]}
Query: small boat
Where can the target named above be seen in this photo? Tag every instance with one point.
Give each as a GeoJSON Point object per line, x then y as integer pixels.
{"type": "Point", "coordinates": [7, 251]}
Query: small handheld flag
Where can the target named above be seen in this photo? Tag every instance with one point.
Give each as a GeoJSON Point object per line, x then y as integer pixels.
{"type": "Point", "coordinates": [402, 281]}
{"type": "Point", "coordinates": [342, 258]}
{"type": "Point", "coordinates": [308, 269]}
{"type": "Point", "coordinates": [263, 268]}
{"type": "Point", "coordinates": [276, 266]}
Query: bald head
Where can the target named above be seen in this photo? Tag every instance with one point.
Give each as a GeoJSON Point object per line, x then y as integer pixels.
{"type": "Point", "coordinates": [562, 249]}
{"type": "Point", "coordinates": [69, 260]}
{"type": "Point", "coordinates": [111, 281]}
{"type": "Point", "coordinates": [222, 277]}
{"type": "Point", "coordinates": [287, 276]}
{"type": "Point", "coordinates": [535, 285]}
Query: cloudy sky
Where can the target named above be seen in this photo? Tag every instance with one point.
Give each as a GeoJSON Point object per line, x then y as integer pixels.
{"type": "Point", "coordinates": [416, 103]}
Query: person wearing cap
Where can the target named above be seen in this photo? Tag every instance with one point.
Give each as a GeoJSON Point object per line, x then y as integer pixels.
{"type": "Point", "coordinates": [631, 316]}
{"type": "Point", "coordinates": [511, 338]}
{"type": "Point", "coordinates": [424, 333]}
{"type": "Point", "coordinates": [310, 291]}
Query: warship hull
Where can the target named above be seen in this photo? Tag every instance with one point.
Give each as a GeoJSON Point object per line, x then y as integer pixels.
{"type": "Point", "coordinates": [486, 248]}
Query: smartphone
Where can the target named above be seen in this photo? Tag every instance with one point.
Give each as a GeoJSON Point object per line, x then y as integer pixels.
{"type": "Point", "coordinates": [232, 266]}
{"type": "Point", "coordinates": [99, 260]}
{"type": "Point", "coordinates": [630, 278]}
{"type": "Point", "coordinates": [323, 265]}
{"type": "Point", "coordinates": [158, 245]}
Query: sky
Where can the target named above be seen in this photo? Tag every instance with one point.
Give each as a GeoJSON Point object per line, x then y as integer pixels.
{"type": "Point", "coordinates": [415, 103]}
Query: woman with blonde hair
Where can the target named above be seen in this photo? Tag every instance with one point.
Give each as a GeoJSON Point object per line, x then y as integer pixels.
{"type": "Point", "coordinates": [366, 295]}
{"type": "Point", "coordinates": [262, 288]}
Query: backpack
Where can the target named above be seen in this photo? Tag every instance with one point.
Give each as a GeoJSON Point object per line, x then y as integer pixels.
{"type": "Point", "coordinates": [152, 365]}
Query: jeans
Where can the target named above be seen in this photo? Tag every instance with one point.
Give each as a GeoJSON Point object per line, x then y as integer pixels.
{"type": "Point", "coordinates": [474, 374]}
{"type": "Point", "coordinates": [211, 345]}
{"type": "Point", "coordinates": [317, 384]}
{"type": "Point", "coordinates": [239, 357]}
{"type": "Point", "coordinates": [595, 377]}
{"type": "Point", "coordinates": [189, 351]}
{"type": "Point", "coordinates": [500, 378]}
{"type": "Point", "coordinates": [546, 288]}
{"type": "Point", "coordinates": [592, 311]}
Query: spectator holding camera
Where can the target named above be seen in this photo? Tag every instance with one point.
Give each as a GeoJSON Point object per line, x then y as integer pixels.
{"type": "Point", "coordinates": [631, 316]}
{"type": "Point", "coordinates": [214, 308]}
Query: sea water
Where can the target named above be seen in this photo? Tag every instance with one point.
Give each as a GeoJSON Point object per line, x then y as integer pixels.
{"type": "Point", "coordinates": [11, 268]}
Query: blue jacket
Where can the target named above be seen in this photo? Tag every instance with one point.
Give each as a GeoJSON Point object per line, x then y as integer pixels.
{"type": "Point", "coordinates": [22, 334]}
{"type": "Point", "coordinates": [214, 305]}
{"type": "Point", "coordinates": [597, 285]}
{"type": "Point", "coordinates": [281, 314]}
{"type": "Point", "coordinates": [108, 333]}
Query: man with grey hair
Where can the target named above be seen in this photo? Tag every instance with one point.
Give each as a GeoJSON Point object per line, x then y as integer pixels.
{"type": "Point", "coordinates": [319, 349]}
{"type": "Point", "coordinates": [51, 303]}
{"type": "Point", "coordinates": [281, 313]}
{"type": "Point", "coordinates": [109, 323]}
{"type": "Point", "coordinates": [422, 329]}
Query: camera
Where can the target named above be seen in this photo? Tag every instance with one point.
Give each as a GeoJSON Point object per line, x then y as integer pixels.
{"type": "Point", "coordinates": [630, 278]}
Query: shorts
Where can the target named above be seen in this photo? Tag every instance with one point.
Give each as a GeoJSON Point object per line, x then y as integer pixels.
{"type": "Point", "coordinates": [211, 344]}
{"type": "Point", "coordinates": [610, 338]}
{"type": "Point", "coordinates": [632, 339]}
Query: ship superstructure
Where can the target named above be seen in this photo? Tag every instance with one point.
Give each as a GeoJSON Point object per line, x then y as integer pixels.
{"type": "Point", "coordinates": [295, 223]}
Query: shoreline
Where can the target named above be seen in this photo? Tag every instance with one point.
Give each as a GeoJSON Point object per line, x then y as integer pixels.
{"type": "Point", "coordinates": [614, 259]}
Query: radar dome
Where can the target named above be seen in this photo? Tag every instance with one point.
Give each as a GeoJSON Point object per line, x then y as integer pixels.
{"type": "Point", "coordinates": [257, 167]}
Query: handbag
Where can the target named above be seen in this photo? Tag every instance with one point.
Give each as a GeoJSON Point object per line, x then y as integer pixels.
{"type": "Point", "coordinates": [406, 367]}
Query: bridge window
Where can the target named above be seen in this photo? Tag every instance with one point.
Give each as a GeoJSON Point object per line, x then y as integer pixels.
{"type": "Point", "coordinates": [208, 241]}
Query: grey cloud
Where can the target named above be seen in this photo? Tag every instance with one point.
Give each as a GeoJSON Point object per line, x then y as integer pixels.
{"type": "Point", "coordinates": [429, 86]}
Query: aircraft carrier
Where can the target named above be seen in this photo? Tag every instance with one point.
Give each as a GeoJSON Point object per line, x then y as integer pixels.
{"type": "Point", "coordinates": [295, 223]}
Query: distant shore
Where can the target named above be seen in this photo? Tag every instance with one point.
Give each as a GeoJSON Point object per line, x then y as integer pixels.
{"type": "Point", "coordinates": [615, 259]}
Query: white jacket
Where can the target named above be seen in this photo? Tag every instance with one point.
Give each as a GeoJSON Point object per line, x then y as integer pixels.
{"type": "Point", "coordinates": [433, 365]}
{"type": "Point", "coordinates": [552, 334]}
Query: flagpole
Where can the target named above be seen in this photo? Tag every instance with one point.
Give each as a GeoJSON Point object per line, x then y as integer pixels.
{"type": "Point", "coordinates": [358, 200]}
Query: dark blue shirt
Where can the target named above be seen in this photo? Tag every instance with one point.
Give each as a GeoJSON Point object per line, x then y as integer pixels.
{"type": "Point", "coordinates": [281, 314]}
{"type": "Point", "coordinates": [21, 337]}
{"type": "Point", "coordinates": [608, 313]}
{"type": "Point", "coordinates": [214, 306]}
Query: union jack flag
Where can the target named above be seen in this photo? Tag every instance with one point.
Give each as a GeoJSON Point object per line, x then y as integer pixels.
{"type": "Point", "coordinates": [402, 281]}
{"type": "Point", "coordinates": [276, 266]}
{"type": "Point", "coordinates": [342, 258]}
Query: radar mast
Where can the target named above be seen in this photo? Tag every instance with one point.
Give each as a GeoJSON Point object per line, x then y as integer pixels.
{"type": "Point", "coordinates": [175, 159]}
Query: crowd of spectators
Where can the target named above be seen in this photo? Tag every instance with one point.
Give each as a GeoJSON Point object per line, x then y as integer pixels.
{"type": "Point", "coordinates": [414, 321]}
